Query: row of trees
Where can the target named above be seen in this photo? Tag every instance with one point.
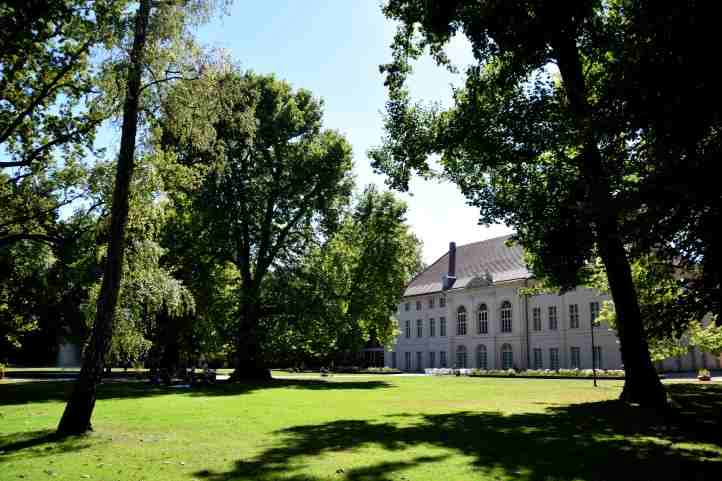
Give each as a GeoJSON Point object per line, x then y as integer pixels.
{"type": "Point", "coordinates": [592, 127]}
{"type": "Point", "coordinates": [227, 226]}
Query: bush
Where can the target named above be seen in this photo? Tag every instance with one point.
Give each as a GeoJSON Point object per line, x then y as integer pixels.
{"type": "Point", "coordinates": [365, 370]}
{"type": "Point", "coordinates": [382, 370]}
{"type": "Point", "coordinates": [578, 373]}
{"type": "Point", "coordinates": [2, 370]}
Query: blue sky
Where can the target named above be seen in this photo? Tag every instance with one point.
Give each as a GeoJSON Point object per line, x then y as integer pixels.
{"type": "Point", "coordinates": [333, 48]}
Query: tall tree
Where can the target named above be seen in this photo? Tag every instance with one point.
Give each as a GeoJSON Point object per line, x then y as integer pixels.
{"type": "Point", "coordinates": [538, 137]}
{"type": "Point", "coordinates": [159, 35]}
{"type": "Point", "coordinates": [79, 410]}
{"type": "Point", "coordinates": [275, 182]}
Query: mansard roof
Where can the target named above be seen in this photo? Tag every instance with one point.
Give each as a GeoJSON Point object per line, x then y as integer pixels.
{"type": "Point", "coordinates": [473, 261]}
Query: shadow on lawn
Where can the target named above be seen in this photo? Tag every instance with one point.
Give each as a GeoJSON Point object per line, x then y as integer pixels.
{"type": "Point", "coordinates": [33, 444]}
{"type": "Point", "coordinates": [26, 392]}
{"type": "Point", "coordinates": [592, 441]}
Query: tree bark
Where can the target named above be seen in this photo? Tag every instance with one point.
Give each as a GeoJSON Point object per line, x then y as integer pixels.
{"type": "Point", "coordinates": [249, 364]}
{"type": "Point", "coordinates": [79, 410]}
{"type": "Point", "coordinates": [641, 385]}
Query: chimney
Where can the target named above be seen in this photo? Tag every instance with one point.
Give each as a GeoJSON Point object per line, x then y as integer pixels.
{"type": "Point", "coordinates": [450, 277]}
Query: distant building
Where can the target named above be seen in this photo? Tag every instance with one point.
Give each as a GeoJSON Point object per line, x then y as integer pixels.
{"type": "Point", "coordinates": [466, 310]}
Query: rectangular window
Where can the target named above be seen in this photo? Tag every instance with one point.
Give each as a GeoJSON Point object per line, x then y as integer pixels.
{"type": "Point", "coordinates": [442, 301]}
{"type": "Point", "coordinates": [431, 302]}
{"type": "Point", "coordinates": [481, 357]}
{"type": "Point", "coordinates": [442, 326]}
{"type": "Point", "coordinates": [598, 357]}
{"type": "Point", "coordinates": [573, 316]}
{"type": "Point", "coordinates": [507, 359]}
{"type": "Point", "coordinates": [553, 324]}
{"type": "Point", "coordinates": [538, 363]}
{"type": "Point", "coordinates": [461, 324]}
{"type": "Point", "coordinates": [483, 321]}
{"type": "Point", "coordinates": [575, 358]}
{"type": "Point", "coordinates": [536, 318]}
{"type": "Point", "coordinates": [418, 305]}
{"type": "Point", "coordinates": [554, 358]}
{"type": "Point", "coordinates": [432, 327]}
{"type": "Point", "coordinates": [432, 359]}
{"type": "Point", "coordinates": [419, 328]}
{"type": "Point", "coordinates": [407, 306]}
{"type": "Point", "coordinates": [419, 361]}
{"type": "Point", "coordinates": [442, 358]}
{"type": "Point", "coordinates": [593, 312]}
{"type": "Point", "coordinates": [407, 361]}
{"type": "Point", "coordinates": [393, 359]}
{"type": "Point", "coordinates": [505, 316]}
{"type": "Point", "coordinates": [408, 328]}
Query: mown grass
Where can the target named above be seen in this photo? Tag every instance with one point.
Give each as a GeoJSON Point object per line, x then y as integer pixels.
{"type": "Point", "coordinates": [363, 428]}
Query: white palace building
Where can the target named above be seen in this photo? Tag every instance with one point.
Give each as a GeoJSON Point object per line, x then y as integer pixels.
{"type": "Point", "coordinates": [467, 310]}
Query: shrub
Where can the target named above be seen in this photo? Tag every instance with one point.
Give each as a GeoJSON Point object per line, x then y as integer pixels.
{"type": "Point", "coordinates": [384, 370]}
{"type": "Point", "coordinates": [579, 373]}
{"type": "Point", "coordinates": [365, 370]}
{"type": "Point", "coordinates": [2, 370]}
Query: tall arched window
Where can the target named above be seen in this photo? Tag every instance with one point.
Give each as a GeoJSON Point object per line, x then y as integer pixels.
{"type": "Point", "coordinates": [482, 361]}
{"type": "Point", "coordinates": [482, 317]}
{"type": "Point", "coordinates": [507, 357]}
{"type": "Point", "coordinates": [461, 321]}
{"type": "Point", "coordinates": [461, 357]}
{"type": "Point", "coordinates": [505, 316]}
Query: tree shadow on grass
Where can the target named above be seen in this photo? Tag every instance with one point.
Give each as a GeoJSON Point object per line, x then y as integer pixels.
{"type": "Point", "coordinates": [40, 443]}
{"type": "Point", "coordinates": [31, 392]}
{"type": "Point", "coordinates": [591, 442]}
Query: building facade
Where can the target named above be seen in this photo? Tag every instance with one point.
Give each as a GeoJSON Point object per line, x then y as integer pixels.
{"type": "Point", "coordinates": [468, 310]}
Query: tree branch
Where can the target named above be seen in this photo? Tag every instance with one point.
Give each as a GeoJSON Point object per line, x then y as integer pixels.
{"type": "Point", "coordinates": [44, 92]}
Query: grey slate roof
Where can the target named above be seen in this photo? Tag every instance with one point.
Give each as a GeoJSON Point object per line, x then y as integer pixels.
{"type": "Point", "coordinates": [473, 261]}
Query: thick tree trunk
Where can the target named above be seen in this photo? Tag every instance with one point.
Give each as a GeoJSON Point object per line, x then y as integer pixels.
{"type": "Point", "coordinates": [79, 410]}
{"type": "Point", "coordinates": [249, 365]}
{"type": "Point", "coordinates": [641, 385]}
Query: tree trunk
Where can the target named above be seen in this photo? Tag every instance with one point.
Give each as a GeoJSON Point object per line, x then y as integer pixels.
{"type": "Point", "coordinates": [79, 410]}
{"type": "Point", "coordinates": [641, 385]}
{"type": "Point", "coordinates": [249, 365]}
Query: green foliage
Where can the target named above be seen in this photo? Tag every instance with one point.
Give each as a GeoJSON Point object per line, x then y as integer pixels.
{"type": "Point", "coordinates": [48, 84]}
{"type": "Point", "coordinates": [265, 182]}
{"type": "Point", "coordinates": [344, 294]}
{"type": "Point", "coordinates": [671, 327]}
{"type": "Point", "coordinates": [522, 136]}
{"type": "Point", "coordinates": [50, 108]}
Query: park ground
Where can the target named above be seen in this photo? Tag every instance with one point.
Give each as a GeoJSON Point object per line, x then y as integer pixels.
{"type": "Point", "coordinates": [401, 428]}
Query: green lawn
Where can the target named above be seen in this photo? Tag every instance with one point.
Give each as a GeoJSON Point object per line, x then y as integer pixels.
{"type": "Point", "coordinates": [363, 428]}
